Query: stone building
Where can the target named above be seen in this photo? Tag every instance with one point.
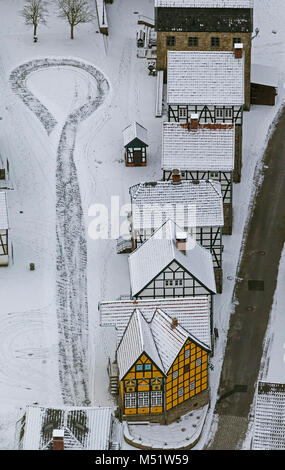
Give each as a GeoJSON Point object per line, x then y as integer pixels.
{"type": "Point", "coordinates": [204, 25]}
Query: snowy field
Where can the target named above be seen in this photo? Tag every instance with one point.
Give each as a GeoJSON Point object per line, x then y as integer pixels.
{"type": "Point", "coordinates": [33, 349]}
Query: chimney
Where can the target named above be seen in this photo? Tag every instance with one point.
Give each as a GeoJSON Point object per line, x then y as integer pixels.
{"type": "Point", "coordinates": [181, 240]}
{"type": "Point", "coordinates": [194, 122]}
{"type": "Point", "coordinates": [174, 323]}
{"type": "Point", "coordinates": [58, 439]}
{"type": "Point", "coordinates": [176, 177]}
{"type": "Point", "coordinates": [238, 50]}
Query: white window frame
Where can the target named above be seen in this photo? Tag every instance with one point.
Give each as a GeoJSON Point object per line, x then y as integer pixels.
{"type": "Point", "coordinates": [192, 385]}
{"type": "Point", "coordinates": [187, 353]}
{"type": "Point", "coordinates": [143, 399]}
{"type": "Point", "coordinates": [130, 400]}
{"type": "Point", "coordinates": [180, 392]}
{"type": "Point", "coordinates": [175, 375]}
{"type": "Point", "coordinates": [199, 361]}
{"type": "Point", "coordinates": [156, 398]}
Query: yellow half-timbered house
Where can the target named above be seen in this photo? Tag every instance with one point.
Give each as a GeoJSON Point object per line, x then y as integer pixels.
{"type": "Point", "coordinates": [162, 368]}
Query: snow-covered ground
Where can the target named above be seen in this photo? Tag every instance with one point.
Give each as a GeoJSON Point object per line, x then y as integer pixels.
{"type": "Point", "coordinates": [29, 338]}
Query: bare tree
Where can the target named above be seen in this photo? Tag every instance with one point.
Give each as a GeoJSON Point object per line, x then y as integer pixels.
{"type": "Point", "coordinates": [35, 12]}
{"type": "Point", "coordinates": [76, 12]}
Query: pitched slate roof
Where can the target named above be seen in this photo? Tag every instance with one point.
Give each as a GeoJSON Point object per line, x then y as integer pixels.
{"type": "Point", "coordinates": [155, 254]}
{"type": "Point", "coordinates": [169, 341]}
{"type": "Point", "coordinates": [85, 428]}
{"type": "Point", "coordinates": [205, 78]}
{"type": "Point", "coordinates": [157, 338]}
{"type": "Point", "coordinates": [137, 339]}
{"type": "Point", "coordinates": [193, 313]}
{"type": "Point", "coordinates": [134, 131]}
{"type": "Point", "coordinates": [269, 420]}
{"type": "Point", "coordinates": [154, 203]}
{"type": "Point", "coordinates": [4, 222]}
{"type": "Point", "coordinates": [209, 148]}
{"type": "Point", "coordinates": [204, 3]}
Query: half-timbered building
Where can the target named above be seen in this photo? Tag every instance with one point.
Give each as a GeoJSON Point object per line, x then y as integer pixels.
{"type": "Point", "coordinates": [204, 25]}
{"type": "Point", "coordinates": [169, 265]}
{"type": "Point", "coordinates": [135, 144]}
{"type": "Point", "coordinates": [4, 228]}
{"type": "Point", "coordinates": [195, 205]}
{"type": "Point", "coordinates": [201, 151]}
{"type": "Point", "coordinates": [163, 368]}
{"type": "Point", "coordinates": [211, 85]}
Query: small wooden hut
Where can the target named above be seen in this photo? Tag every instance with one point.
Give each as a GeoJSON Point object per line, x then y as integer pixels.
{"type": "Point", "coordinates": [135, 143]}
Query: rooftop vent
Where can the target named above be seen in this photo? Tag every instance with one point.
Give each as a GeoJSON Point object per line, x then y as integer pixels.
{"type": "Point", "coordinates": [174, 323]}
{"type": "Point", "coordinates": [176, 179]}
{"type": "Point", "coordinates": [181, 240]}
{"type": "Point", "coordinates": [238, 50]}
{"type": "Point", "coordinates": [194, 122]}
{"type": "Point", "coordinates": [58, 439]}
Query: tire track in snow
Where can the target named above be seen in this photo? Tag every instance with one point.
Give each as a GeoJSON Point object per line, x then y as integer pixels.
{"type": "Point", "coordinates": [71, 277]}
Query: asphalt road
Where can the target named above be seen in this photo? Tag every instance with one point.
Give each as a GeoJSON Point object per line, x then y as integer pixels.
{"type": "Point", "coordinates": [263, 247]}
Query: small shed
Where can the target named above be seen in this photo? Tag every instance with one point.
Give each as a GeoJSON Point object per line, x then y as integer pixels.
{"type": "Point", "coordinates": [135, 143]}
{"type": "Point", "coordinates": [4, 227]}
{"type": "Point", "coordinates": [264, 82]}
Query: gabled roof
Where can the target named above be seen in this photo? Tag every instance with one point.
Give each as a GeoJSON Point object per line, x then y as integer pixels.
{"type": "Point", "coordinates": [85, 428]}
{"type": "Point", "coordinates": [169, 341]}
{"type": "Point", "coordinates": [157, 338]}
{"type": "Point", "coordinates": [136, 340]}
{"type": "Point", "coordinates": [154, 255]}
{"type": "Point", "coordinates": [134, 131]}
{"type": "Point", "coordinates": [204, 3]}
{"type": "Point", "coordinates": [205, 78]}
{"type": "Point", "coordinates": [193, 313]}
{"type": "Point", "coordinates": [198, 203]}
{"type": "Point", "coordinates": [209, 148]}
{"type": "Point", "coordinates": [4, 222]}
{"type": "Point", "coordinates": [269, 420]}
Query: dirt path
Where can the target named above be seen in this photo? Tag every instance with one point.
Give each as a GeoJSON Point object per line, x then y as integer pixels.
{"type": "Point", "coordinates": [71, 250]}
{"type": "Point", "coordinates": [260, 262]}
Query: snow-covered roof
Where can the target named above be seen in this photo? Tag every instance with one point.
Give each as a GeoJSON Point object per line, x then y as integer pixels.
{"type": "Point", "coordinates": [205, 78]}
{"type": "Point", "coordinates": [84, 428]}
{"type": "Point", "coordinates": [157, 338]}
{"type": "Point", "coordinates": [134, 131]}
{"type": "Point", "coordinates": [136, 340]}
{"type": "Point", "coordinates": [189, 203]}
{"type": "Point", "coordinates": [204, 3]}
{"type": "Point", "coordinates": [193, 313]}
{"type": "Point", "coordinates": [269, 420]}
{"type": "Point", "coordinates": [4, 222]}
{"type": "Point", "coordinates": [169, 341]}
{"type": "Point", "coordinates": [155, 254]}
{"type": "Point", "coordinates": [209, 148]}
{"type": "Point", "coordinates": [264, 75]}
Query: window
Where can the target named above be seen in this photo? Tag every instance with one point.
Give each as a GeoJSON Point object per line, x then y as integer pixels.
{"type": "Point", "coordinates": [219, 113]}
{"type": "Point", "coordinates": [156, 398]}
{"type": "Point", "coordinates": [214, 175]}
{"type": "Point", "coordinates": [175, 375]}
{"type": "Point", "coordinates": [228, 113]}
{"type": "Point", "coordinates": [215, 42]}
{"type": "Point", "coordinates": [183, 112]}
{"type": "Point", "coordinates": [181, 392]}
{"type": "Point", "coordinates": [192, 385]}
{"type": "Point", "coordinates": [170, 40]}
{"type": "Point", "coordinates": [192, 41]}
{"type": "Point", "coordinates": [139, 367]}
{"type": "Point", "coordinates": [130, 400]}
{"type": "Point", "coordinates": [147, 367]}
{"type": "Point", "coordinates": [168, 283]}
{"type": "Point", "coordinates": [143, 399]}
{"type": "Point", "coordinates": [179, 282]}
{"type": "Point", "coordinates": [187, 353]}
{"type": "Point", "coordinates": [236, 41]}
{"type": "Point", "coordinates": [198, 362]}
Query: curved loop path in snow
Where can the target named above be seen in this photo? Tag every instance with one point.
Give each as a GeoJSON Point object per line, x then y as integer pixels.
{"type": "Point", "coordinates": [71, 277]}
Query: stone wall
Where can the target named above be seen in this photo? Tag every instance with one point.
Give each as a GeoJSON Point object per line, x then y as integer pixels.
{"type": "Point", "coordinates": [204, 41]}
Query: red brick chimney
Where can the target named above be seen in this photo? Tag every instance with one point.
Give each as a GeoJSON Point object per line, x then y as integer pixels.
{"type": "Point", "coordinates": [58, 439]}
{"type": "Point", "coordinates": [176, 179]}
{"type": "Point", "coordinates": [174, 323]}
{"type": "Point", "coordinates": [181, 240]}
{"type": "Point", "coordinates": [238, 50]}
{"type": "Point", "coordinates": [194, 122]}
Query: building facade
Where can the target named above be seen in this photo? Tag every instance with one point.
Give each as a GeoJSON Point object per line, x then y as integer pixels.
{"type": "Point", "coordinates": [192, 25]}
{"type": "Point", "coordinates": [165, 373]}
